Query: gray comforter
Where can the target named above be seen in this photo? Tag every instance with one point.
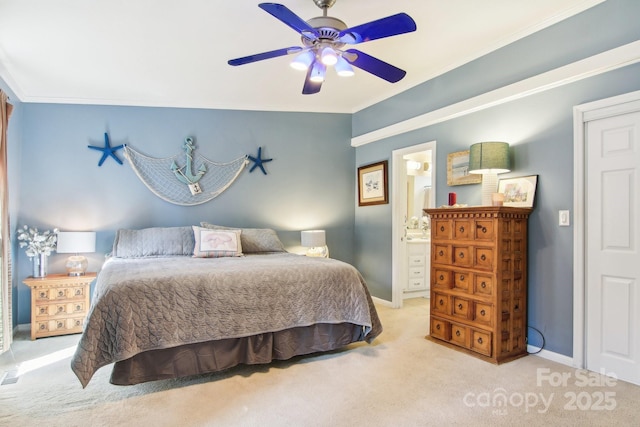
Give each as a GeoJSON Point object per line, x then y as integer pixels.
{"type": "Point", "coordinates": [155, 303]}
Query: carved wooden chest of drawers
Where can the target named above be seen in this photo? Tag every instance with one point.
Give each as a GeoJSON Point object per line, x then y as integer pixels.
{"type": "Point", "coordinates": [59, 304]}
{"type": "Point", "coordinates": [479, 280]}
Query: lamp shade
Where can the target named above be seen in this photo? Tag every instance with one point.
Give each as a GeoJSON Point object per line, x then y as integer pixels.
{"type": "Point", "coordinates": [490, 157]}
{"type": "Point", "coordinates": [313, 238]}
{"type": "Point", "coordinates": [76, 242]}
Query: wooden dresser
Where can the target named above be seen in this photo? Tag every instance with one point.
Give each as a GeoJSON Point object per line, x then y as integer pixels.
{"type": "Point", "coordinates": [479, 280]}
{"type": "Point", "coordinates": [59, 303]}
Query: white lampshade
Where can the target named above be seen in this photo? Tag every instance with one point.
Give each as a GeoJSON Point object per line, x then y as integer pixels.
{"type": "Point", "coordinates": [76, 242]}
{"type": "Point", "coordinates": [316, 242]}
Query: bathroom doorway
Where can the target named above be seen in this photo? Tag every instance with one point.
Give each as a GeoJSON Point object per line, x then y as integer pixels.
{"type": "Point", "coordinates": [414, 183]}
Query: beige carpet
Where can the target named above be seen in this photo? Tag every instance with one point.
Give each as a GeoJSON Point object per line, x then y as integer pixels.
{"type": "Point", "coordinates": [400, 380]}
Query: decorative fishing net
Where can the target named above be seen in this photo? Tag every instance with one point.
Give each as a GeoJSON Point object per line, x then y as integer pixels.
{"type": "Point", "coordinates": [171, 182]}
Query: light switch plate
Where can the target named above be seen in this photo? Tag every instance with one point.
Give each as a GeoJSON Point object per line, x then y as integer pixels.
{"type": "Point", "coordinates": [563, 218]}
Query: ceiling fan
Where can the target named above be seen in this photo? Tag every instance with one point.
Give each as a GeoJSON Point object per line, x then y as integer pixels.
{"type": "Point", "coordinates": [323, 40]}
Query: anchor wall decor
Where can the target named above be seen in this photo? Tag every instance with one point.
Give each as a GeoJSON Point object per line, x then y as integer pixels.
{"type": "Point", "coordinates": [184, 173]}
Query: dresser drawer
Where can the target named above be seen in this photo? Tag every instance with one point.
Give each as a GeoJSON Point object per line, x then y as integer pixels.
{"type": "Point", "coordinates": [483, 313]}
{"type": "Point", "coordinates": [462, 229]}
{"type": "Point", "coordinates": [461, 307]}
{"type": "Point", "coordinates": [440, 229]}
{"type": "Point", "coordinates": [442, 278]}
{"type": "Point", "coordinates": [461, 280]}
{"type": "Point", "coordinates": [459, 335]}
{"type": "Point", "coordinates": [481, 342]}
{"type": "Point", "coordinates": [483, 258]}
{"type": "Point", "coordinates": [441, 254]}
{"type": "Point", "coordinates": [440, 303]}
{"type": "Point", "coordinates": [484, 230]}
{"type": "Point", "coordinates": [462, 255]}
{"type": "Point", "coordinates": [483, 285]}
{"type": "Point", "coordinates": [440, 329]}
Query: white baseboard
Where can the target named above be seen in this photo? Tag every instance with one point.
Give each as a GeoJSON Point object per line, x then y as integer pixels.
{"type": "Point", "coordinates": [550, 355]}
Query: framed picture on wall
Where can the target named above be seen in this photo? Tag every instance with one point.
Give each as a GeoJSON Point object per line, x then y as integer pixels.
{"type": "Point", "coordinates": [458, 169]}
{"type": "Point", "coordinates": [373, 187]}
{"type": "Point", "coordinates": [519, 192]}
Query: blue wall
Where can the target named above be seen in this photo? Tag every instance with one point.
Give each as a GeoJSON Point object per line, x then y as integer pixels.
{"type": "Point", "coordinates": [310, 182]}
{"type": "Point", "coordinates": [540, 131]}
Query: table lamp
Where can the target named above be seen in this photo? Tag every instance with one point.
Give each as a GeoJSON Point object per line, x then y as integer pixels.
{"type": "Point", "coordinates": [315, 241]}
{"type": "Point", "coordinates": [489, 159]}
{"type": "Point", "coordinates": [76, 242]}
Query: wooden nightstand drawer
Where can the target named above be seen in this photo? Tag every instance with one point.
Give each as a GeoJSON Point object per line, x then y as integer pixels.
{"type": "Point", "coordinates": [57, 293]}
{"type": "Point", "coordinates": [59, 304]}
{"type": "Point", "coordinates": [48, 328]}
{"type": "Point", "coordinates": [73, 308]}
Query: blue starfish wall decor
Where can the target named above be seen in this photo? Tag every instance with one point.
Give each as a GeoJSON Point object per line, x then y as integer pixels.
{"type": "Point", "coordinates": [107, 150]}
{"type": "Point", "coordinates": [258, 161]}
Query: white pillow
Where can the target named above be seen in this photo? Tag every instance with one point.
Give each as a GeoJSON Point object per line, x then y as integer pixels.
{"type": "Point", "coordinates": [216, 243]}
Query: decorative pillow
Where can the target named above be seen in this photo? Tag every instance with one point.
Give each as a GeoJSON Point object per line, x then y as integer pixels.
{"type": "Point", "coordinates": [153, 242]}
{"type": "Point", "coordinates": [254, 240]}
{"type": "Point", "coordinates": [216, 243]}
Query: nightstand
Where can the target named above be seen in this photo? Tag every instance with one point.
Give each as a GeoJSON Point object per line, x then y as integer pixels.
{"type": "Point", "coordinates": [59, 304]}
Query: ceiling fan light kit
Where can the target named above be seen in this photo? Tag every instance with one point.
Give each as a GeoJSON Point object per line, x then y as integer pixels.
{"type": "Point", "coordinates": [324, 38]}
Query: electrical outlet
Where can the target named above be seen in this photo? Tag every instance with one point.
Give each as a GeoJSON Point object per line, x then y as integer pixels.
{"type": "Point", "coordinates": [563, 218]}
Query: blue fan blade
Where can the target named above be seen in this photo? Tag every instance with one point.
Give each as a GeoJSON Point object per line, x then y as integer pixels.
{"type": "Point", "coordinates": [264, 55]}
{"type": "Point", "coordinates": [374, 66]}
{"type": "Point", "coordinates": [289, 18]}
{"type": "Point", "coordinates": [381, 28]}
{"type": "Point", "coordinates": [310, 87]}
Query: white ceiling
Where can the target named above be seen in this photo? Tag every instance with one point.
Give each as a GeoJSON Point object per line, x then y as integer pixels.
{"type": "Point", "coordinates": [174, 53]}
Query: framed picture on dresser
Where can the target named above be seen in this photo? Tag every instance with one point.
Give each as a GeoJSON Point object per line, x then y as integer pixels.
{"type": "Point", "coordinates": [519, 192]}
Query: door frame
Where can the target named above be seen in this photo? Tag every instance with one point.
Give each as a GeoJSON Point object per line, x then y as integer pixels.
{"type": "Point", "coordinates": [608, 107]}
{"type": "Point", "coordinates": [398, 202]}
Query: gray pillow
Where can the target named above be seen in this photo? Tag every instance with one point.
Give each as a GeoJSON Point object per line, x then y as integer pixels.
{"type": "Point", "coordinates": [153, 242]}
{"type": "Point", "coordinates": [254, 240]}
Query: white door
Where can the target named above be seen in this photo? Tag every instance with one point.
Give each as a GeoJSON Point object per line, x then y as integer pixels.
{"type": "Point", "coordinates": [612, 246]}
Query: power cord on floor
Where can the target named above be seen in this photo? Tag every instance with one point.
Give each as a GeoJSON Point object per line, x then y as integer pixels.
{"type": "Point", "coordinates": [541, 337]}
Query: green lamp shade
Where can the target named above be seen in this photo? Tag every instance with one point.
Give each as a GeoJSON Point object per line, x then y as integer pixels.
{"type": "Point", "coordinates": [489, 157]}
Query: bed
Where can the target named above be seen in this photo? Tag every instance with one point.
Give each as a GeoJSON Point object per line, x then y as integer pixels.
{"type": "Point", "coordinates": [179, 301]}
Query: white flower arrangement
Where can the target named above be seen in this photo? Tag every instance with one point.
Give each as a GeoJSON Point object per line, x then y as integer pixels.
{"type": "Point", "coordinates": [37, 242]}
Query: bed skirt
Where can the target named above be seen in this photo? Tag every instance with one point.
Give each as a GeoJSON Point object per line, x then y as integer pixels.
{"type": "Point", "coordinates": [214, 356]}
